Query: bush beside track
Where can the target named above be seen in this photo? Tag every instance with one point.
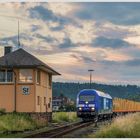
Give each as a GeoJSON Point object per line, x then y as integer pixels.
{"type": "Point", "coordinates": [59, 117]}
{"type": "Point", "coordinates": [17, 122]}
{"type": "Point", "coordinates": [127, 126]}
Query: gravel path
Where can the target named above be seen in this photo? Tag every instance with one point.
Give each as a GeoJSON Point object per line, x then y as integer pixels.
{"type": "Point", "coordinates": [84, 132]}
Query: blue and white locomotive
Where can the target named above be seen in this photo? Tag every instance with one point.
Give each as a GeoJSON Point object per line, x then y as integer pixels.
{"type": "Point", "coordinates": [93, 104]}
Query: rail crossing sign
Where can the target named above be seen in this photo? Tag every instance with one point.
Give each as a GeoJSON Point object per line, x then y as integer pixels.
{"type": "Point", "coordinates": [25, 90]}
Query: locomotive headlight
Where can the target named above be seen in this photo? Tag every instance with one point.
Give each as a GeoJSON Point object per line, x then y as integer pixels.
{"type": "Point", "coordinates": [92, 108]}
{"type": "Point", "coordinates": [80, 108]}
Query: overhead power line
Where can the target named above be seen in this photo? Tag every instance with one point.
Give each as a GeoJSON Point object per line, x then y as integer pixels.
{"type": "Point", "coordinates": [12, 17]}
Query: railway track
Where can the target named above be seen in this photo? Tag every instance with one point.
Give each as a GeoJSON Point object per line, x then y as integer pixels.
{"type": "Point", "coordinates": [60, 131]}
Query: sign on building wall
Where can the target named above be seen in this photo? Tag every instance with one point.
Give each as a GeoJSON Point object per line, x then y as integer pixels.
{"type": "Point", "coordinates": [25, 90]}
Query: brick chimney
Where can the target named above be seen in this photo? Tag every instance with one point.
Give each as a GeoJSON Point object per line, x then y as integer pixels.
{"type": "Point", "coordinates": [7, 49]}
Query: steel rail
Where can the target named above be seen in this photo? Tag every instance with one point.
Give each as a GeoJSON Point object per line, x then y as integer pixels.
{"type": "Point", "coordinates": [60, 131]}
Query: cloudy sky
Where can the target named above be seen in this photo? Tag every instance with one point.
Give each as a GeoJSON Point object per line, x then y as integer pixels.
{"type": "Point", "coordinates": [75, 37]}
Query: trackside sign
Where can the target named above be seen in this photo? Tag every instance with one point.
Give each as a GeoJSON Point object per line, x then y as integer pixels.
{"type": "Point", "coordinates": [25, 90]}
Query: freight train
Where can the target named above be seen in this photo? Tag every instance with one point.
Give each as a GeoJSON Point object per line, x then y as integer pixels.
{"type": "Point", "coordinates": [94, 104]}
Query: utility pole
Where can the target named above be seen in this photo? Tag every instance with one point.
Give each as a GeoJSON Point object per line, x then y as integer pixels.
{"type": "Point", "coordinates": [90, 70]}
{"type": "Point", "coordinates": [18, 36]}
{"type": "Point", "coordinates": [15, 91]}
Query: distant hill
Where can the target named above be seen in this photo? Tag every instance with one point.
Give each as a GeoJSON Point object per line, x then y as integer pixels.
{"type": "Point", "coordinates": [71, 90]}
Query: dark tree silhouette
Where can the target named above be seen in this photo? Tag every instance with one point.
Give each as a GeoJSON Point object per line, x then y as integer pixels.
{"type": "Point", "coordinates": [71, 90]}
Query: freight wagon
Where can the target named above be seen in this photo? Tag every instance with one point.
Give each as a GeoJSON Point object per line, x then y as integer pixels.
{"type": "Point", "coordinates": [125, 106]}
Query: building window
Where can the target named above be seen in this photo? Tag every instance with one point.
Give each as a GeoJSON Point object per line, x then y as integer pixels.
{"type": "Point", "coordinates": [9, 76]}
{"type": "Point", "coordinates": [49, 104]}
{"type": "Point", "coordinates": [26, 75]}
{"type": "Point", "coordinates": [50, 80]}
{"type": "Point", "coordinates": [50, 100]}
{"type": "Point", "coordinates": [2, 76]}
{"type": "Point", "coordinates": [38, 77]}
{"type": "Point", "coordinates": [44, 100]}
{"type": "Point", "coordinates": [6, 76]}
{"type": "Point", "coordinates": [38, 100]}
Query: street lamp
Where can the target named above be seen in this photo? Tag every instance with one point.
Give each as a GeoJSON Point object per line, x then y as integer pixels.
{"type": "Point", "coordinates": [90, 70]}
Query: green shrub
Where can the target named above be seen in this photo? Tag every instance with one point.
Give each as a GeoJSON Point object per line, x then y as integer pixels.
{"type": "Point", "coordinates": [16, 122]}
{"type": "Point", "coordinates": [64, 117]}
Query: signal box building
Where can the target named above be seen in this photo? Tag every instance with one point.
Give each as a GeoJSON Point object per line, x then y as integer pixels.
{"type": "Point", "coordinates": [25, 83]}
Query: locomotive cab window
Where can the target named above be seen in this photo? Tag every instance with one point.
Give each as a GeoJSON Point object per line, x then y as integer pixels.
{"type": "Point", "coordinates": [86, 97]}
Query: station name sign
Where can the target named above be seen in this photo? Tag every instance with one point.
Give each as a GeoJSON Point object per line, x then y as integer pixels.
{"type": "Point", "coordinates": [25, 90]}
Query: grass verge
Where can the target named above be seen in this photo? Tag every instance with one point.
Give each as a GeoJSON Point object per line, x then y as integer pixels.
{"type": "Point", "coordinates": [16, 122]}
{"type": "Point", "coordinates": [127, 126]}
{"type": "Point", "coordinates": [20, 122]}
{"type": "Point", "coordinates": [64, 117]}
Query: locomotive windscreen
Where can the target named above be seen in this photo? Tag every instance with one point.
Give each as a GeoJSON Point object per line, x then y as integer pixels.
{"type": "Point", "coordinates": [86, 97]}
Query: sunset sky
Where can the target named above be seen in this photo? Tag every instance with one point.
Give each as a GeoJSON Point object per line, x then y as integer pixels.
{"type": "Point", "coordinates": [75, 37]}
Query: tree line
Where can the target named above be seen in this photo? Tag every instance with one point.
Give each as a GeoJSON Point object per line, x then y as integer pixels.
{"type": "Point", "coordinates": [71, 90]}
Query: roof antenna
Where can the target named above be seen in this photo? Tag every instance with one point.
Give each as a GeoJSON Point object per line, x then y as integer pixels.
{"type": "Point", "coordinates": [18, 36]}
